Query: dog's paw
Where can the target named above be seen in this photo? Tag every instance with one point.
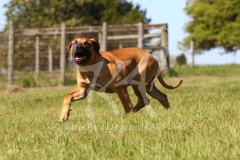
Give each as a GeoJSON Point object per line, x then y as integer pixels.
{"type": "Point", "coordinates": [64, 115]}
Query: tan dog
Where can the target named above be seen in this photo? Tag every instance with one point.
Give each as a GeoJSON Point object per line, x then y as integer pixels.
{"type": "Point", "coordinates": [112, 72]}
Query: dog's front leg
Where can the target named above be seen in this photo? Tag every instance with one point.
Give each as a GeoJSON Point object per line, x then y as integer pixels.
{"type": "Point", "coordinates": [77, 94]}
{"type": "Point", "coordinates": [125, 99]}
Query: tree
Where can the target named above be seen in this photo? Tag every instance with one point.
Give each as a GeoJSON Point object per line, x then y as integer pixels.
{"type": "Point", "coordinates": [50, 13]}
{"type": "Point", "coordinates": [214, 23]}
{"type": "Point", "coordinates": [181, 59]}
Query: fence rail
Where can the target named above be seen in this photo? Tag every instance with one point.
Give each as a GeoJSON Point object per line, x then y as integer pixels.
{"type": "Point", "coordinates": [79, 30]}
{"type": "Point", "coordinates": [105, 34]}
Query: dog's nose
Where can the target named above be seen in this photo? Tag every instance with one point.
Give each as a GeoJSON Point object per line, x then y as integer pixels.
{"type": "Point", "coordinates": [79, 47]}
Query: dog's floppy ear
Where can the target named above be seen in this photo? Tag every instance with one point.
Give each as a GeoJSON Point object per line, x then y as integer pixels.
{"type": "Point", "coordinates": [95, 45]}
{"type": "Point", "coordinates": [69, 47]}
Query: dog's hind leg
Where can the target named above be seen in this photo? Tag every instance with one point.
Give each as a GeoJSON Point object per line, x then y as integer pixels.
{"type": "Point", "coordinates": [140, 92]}
{"type": "Point", "coordinates": [155, 93]}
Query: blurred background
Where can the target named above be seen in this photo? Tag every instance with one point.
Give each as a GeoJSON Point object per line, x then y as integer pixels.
{"type": "Point", "coordinates": [212, 27]}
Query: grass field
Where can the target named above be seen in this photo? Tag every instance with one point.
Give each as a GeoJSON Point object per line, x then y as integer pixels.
{"type": "Point", "coordinates": [203, 122]}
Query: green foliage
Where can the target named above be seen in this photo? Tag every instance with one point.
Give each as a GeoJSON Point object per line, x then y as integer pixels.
{"type": "Point", "coordinates": [3, 81]}
{"type": "Point", "coordinates": [214, 23]}
{"type": "Point", "coordinates": [29, 82]}
{"type": "Point", "coordinates": [45, 13]}
{"type": "Point", "coordinates": [221, 70]}
{"type": "Point", "coordinates": [181, 59]}
{"type": "Point", "coordinates": [173, 73]}
{"type": "Point", "coordinates": [43, 79]}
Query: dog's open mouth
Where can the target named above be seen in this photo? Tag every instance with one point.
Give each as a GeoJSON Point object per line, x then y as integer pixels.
{"type": "Point", "coordinates": [80, 58]}
{"type": "Point", "coordinates": [80, 54]}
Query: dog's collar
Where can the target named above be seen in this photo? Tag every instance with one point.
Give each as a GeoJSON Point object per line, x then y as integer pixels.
{"type": "Point", "coordinates": [91, 73]}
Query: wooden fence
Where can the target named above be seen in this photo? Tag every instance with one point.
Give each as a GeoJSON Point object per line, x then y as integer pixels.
{"type": "Point", "coordinates": [104, 36]}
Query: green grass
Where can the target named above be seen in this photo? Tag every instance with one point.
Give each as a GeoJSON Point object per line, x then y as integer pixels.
{"type": "Point", "coordinates": [203, 123]}
{"type": "Point", "coordinates": [221, 70]}
{"type": "Point", "coordinates": [43, 79]}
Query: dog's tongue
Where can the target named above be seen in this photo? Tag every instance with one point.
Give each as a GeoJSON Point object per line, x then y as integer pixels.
{"type": "Point", "coordinates": [79, 58]}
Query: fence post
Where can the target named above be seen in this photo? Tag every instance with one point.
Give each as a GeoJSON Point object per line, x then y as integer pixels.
{"type": "Point", "coordinates": [100, 39]}
{"type": "Point", "coordinates": [50, 61]}
{"type": "Point", "coordinates": [104, 37]}
{"type": "Point", "coordinates": [140, 34]}
{"type": "Point", "coordinates": [192, 52]}
{"type": "Point", "coordinates": [37, 55]}
{"type": "Point", "coordinates": [120, 45]}
{"type": "Point", "coordinates": [165, 52]}
{"type": "Point", "coordinates": [62, 56]}
{"type": "Point", "coordinates": [10, 53]}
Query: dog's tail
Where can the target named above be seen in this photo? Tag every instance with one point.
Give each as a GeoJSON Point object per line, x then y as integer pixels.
{"type": "Point", "coordinates": [164, 84]}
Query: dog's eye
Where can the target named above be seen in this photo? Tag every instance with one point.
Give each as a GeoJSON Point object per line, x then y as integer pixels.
{"type": "Point", "coordinates": [75, 42]}
{"type": "Point", "coordinates": [86, 43]}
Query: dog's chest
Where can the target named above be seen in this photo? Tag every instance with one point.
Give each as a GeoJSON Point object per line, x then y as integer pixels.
{"type": "Point", "coordinates": [101, 84]}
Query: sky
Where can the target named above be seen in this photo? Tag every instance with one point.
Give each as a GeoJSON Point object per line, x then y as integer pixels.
{"type": "Point", "coordinates": [171, 12]}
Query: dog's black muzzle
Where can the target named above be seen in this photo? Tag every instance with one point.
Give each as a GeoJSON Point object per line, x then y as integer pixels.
{"type": "Point", "coordinates": [80, 53]}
